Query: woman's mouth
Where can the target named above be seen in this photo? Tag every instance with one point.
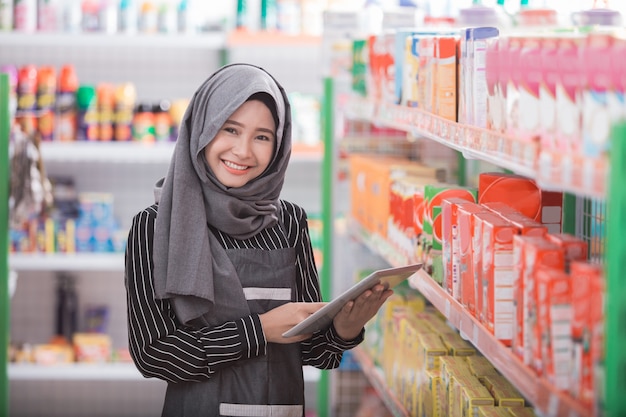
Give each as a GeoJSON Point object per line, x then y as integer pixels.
{"type": "Point", "coordinates": [236, 167]}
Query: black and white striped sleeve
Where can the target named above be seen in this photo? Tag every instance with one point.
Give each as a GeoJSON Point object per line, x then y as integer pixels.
{"type": "Point", "coordinates": [158, 344]}
{"type": "Point", "coordinates": [325, 349]}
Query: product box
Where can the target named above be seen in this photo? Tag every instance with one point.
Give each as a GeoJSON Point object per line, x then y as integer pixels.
{"type": "Point", "coordinates": [497, 275]}
{"type": "Point", "coordinates": [434, 194]}
{"type": "Point", "coordinates": [596, 86]}
{"type": "Point", "coordinates": [530, 253]}
{"type": "Point", "coordinates": [401, 64]}
{"type": "Point", "coordinates": [568, 95]}
{"type": "Point", "coordinates": [430, 350]}
{"type": "Point", "coordinates": [554, 325]}
{"type": "Point", "coordinates": [473, 397]}
{"type": "Point", "coordinates": [493, 411]}
{"type": "Point", "coordinates": [430, 395]}
{"type": "Point", "coordinates": [457, 383]}
{"type": "Point", "coordinates": [495, 103]}
{"type": "Point", "coordinates": [451, 367]}
{"type": "Point", "coordinates": [481, 39]}
{"type": "Point", "coordinates": [575, 248]}
{"type": "Point", "coordinates": [450, 236]}
{"type": "Point", "coordinates": [445, 86]}
{"type": "Point", "coordinates": [529, 125]}
{"type": "Point", "coordinates": [585, 276]}
{"type": "Point", "coordinates": [480, 367]}
{"type": "Point", "coordinates": [381, 57]}
{"type": "Point", "coordinates": [547, 92]}
{"type": "Point", "coordinates": [426, 77]}
{"type": "Point", "coordinates": [360, 67]}
{"type": "Point", "coordinates": [503, 391]}
{"type": "Point", "coordinates": [456, 345]}
{"type": "Point", "coordinates": [522, 412]}
{"type": "Point", "coordinates": [524, 195]}
{"type": "Point", "coordinates": [511, 45]}
{"type": "Point", "coordinates": [466, 262]}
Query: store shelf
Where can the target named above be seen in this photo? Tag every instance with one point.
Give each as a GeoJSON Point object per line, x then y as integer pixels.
{"type": "Point", "coordinates": [376, 377]}
{"type": "Point", "coordinates": [552, 170]}
{"type": "Point", "coordinates": [538, 391]}
{"type": "Point", "coordinates": [210, 40]}
{"type": "Point", "coordinates": [270, 38]}
{"type": "Point", "coordinates": [107, 152]}
{"type": "Point", "coordinates": [73, 372]}
{"type": "Point", "coordinates": [137, 152]}
{"type": "Point", "coordinates": [66, 262]}
{"type": "Point", "coordinates": [97, 372]}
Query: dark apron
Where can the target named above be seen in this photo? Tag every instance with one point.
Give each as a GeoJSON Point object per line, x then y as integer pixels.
{"type": "Point", "coordinates": [264, 386]}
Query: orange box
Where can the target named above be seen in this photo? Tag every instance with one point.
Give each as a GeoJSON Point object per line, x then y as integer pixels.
{"type": "Point", "coordinates": [530, 253]}
{"type": "Point", "coordinates": [466, 264]}
{"type": "Point", "coordinates": [450, 243]}
{"type": "Point", "coordinates": [497, 275]}
{"type": "Point", "coordinates": [445, 83]}
{"type": "Point", "coordinates": [576, 249]}
{"type": "Point", "coordinates": [586, 276]}
{"type": "Point", "coordinates": [524, 195]}
{"type": "Point", "coordinates": [554, 325]}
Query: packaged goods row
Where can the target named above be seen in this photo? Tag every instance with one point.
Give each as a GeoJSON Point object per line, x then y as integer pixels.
{"type": "Point", "coordinates": [431, 369]}
{"type": "Point", "coordinates": [499, 251]}
{"type": "Point", "coordinates": [57, 106]}
{"type": "Point", "coordinates": [561, 89]}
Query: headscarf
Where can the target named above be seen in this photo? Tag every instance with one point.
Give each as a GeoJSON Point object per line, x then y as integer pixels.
{"type": "Point", "coordinates": [190, 265]}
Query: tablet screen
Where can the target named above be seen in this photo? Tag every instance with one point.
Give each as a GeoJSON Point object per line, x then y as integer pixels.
{"type": "Point", "coordinates": [324, 316]}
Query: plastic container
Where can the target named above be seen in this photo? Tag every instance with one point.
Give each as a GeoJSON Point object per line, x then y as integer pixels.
{"type": "Point", "coordinates": [87, 113]}
{"type": "Point", "coordinates": [106, 106]}
{"type": "Point", "coordinates": [143, 124]}
{"type": "Point", "coordinates": [125, 97]}
{"type": "Point", "coordinates": [46, 98]}
{"type": "Point", "coordinates": [162, 121]}
{"type": "Point", "coordinates": [66, 104]}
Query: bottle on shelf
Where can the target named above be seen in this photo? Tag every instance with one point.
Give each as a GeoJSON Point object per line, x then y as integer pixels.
{"type": "Point", "coordinates": [66, 104]}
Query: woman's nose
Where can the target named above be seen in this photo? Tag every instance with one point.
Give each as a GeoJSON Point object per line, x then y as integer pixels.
{"type": "Point", "coordinates": [242, 147]}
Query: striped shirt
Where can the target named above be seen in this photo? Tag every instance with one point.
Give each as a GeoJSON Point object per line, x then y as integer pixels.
{"type": "Point", "coordinates": [163, 348]}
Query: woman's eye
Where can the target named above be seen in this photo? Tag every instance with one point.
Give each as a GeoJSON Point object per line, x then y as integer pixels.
{"type": "Point", "coordinates": [230, 130]}
{"type": "Point", "coordinates": [263, 138]}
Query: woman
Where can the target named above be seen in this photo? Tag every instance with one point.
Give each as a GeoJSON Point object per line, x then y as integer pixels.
{"type": "Point", "coordinates": [220, 267]}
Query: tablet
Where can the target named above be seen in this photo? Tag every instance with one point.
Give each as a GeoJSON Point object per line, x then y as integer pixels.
{"type": "Point", "coordinates": [324, 316]}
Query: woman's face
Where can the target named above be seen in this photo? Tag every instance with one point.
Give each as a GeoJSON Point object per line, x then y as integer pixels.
{"type": "Point", "coordinates": [244, 145]}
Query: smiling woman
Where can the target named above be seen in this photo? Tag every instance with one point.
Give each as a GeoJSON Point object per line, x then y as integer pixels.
{"type": "Point", "coordinates": [220, 267]}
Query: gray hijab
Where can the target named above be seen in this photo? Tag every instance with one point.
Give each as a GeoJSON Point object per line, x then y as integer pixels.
{"type": "Point", "coordinates": [190, 265]}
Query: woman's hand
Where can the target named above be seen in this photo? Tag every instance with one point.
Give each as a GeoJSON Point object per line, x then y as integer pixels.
{"type": "Point", "coordinates": [280, 319]}
{"type": "Point", "coordinates": [353, 316]}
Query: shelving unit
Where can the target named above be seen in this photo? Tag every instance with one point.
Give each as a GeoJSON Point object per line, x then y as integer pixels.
{"type": "Point", "coordinates": [161, 66]}
{"type": "Point", "coordinates": [582, 177]}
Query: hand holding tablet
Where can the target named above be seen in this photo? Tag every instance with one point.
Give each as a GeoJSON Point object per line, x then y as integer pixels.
{"type": "Point", "coordinates": [323, 317]}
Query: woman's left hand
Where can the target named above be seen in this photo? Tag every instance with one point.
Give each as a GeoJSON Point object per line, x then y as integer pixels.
{"type": "Point", "coordinates": [353, 316]}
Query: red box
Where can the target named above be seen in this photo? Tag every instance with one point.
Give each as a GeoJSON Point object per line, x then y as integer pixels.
{"type": "Point", "coordinates": [466, 261]}
{"type": "Point", "coordinates": [497, 275]}
{"type": "Point", "coordinates": [554, 325]}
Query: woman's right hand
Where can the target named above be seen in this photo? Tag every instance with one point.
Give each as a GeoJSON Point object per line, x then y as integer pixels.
{"type": "Point", "coordinates": [280, 319]}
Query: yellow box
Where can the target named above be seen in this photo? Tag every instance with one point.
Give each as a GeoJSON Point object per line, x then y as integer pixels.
{"type": "Point", "coordinates": [481, 367]}
{"type": "Point", "coordinates": [522, 412]}
{"type": "Point", "coordinates": [430, 351]}
{"type": "Point", "coordinates": [493, 411]}
{"type": "Point", "coordinates": [503, 391]}
{"type": "Point", "coordinates": [429, 404]}
{"type": "Point", "coordinates": [456, 345]}
{"type": "Point", "coordinates": [455, 388]}
{"type": "Point", "coordinates": [451, 367]}
{"type": "Point", "coordinates": [474, 396]}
